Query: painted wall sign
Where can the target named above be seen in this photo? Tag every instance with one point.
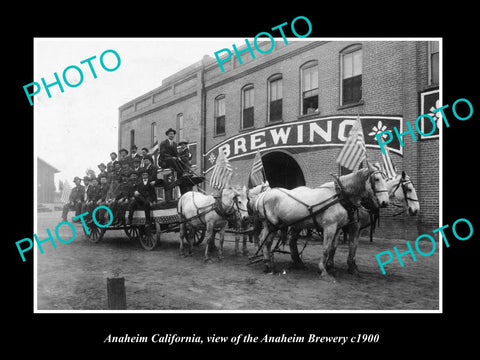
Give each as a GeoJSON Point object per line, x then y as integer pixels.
{"type": "Point", "coordinates": [430, 101]}
{"type": "Point", "coordinates": [331, 131]}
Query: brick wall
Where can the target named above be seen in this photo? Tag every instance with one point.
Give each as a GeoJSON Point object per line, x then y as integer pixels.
{"type": "Point", "coordinates": [393, 74]}
{"type": "Point", "coordinates": [180, 95]}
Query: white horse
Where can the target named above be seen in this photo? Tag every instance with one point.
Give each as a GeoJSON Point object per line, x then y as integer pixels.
{"type": "Point", "coordinates": [326, 207]}
{"type": "Point", "coordinates": [399, 188]}
{"type": "Point", "coordinates": [199, 211]}
{"type": "Point", "coordinates": [251, 227]}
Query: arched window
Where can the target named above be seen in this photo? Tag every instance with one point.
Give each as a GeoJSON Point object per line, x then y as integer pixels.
{"type": "Point", "coordinates": [309, 86]}
{"type": "Point", "coordinates": [275, 98]}
{"type": "Point", "coordinates": [153, 132]}
{"type": "Point", "coordinates": [351, 74]}
{"type": "Point", "coordinates": [179, 127]}
{"type": "Point", "coordinates": [219, 115]}
{"type": "Point", "coordinates": [132, 138]}
{"type": "Point", "coordinates": [433, 60]}
{"type": "Point", "coordinates": [247, 107]}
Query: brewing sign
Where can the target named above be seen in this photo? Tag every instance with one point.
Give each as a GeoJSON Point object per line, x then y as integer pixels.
{"type": "Point", "coordinates": [331, 131]}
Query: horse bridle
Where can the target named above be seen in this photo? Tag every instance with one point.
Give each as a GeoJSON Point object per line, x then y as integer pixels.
{"type": "Point", "coordinates": [403, 182]}
{"type": "Point", "coordinates": [372, 182]}
{"type": "Point", "coordinates": [229, 211]}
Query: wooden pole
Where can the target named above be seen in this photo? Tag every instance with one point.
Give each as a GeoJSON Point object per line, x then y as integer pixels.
{"type": "Point", "coordinates": [117, 299]}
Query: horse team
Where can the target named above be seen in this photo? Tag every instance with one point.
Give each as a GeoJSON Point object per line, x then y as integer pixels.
{"type": "Point", "coordinates": [343, 204]}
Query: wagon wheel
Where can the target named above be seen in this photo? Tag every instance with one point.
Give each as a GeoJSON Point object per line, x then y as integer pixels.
{"type": "Point", "coordinates": [198, 236]}
{"type": "Point", "coordinates": [149, 239]}
{"type": "Point", "coordinates": [132, 232]}
{"type": "Point", "coordinates": [95, 233]}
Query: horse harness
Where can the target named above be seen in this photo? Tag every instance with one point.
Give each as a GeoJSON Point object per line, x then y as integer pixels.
{"type": "Point", "coordinates": [217, 206]}
{"type": "Point", "coordinates": [403, 183]}
{"type": "Point", "coordinates": [338, 197]}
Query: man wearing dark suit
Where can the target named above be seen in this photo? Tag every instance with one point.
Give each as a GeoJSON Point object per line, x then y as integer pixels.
{"type": "Point", "coordinates": [144, 196]}
{"type": "Point", "coordinates": [143, 154]}
{"type": "Point", "coordinates": [168, 153]}
{"type": "Point", "coordinates": [136, 164]}
{"type": "Point", "coordinates": [134, 155]}
{"type": "Point", "coordinates": [102, 189]}
{"type": "Point", "coordinates": [92, 195]}
{"type": "Point", "coordinates": [75, 200]}
{"type": "Point", "coordinates": [151, 169]}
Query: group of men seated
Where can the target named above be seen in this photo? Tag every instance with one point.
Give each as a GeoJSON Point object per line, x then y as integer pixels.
{"type": "Point", "coordinates": [129, 183]}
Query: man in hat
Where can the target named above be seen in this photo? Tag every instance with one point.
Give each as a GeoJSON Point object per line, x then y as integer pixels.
{"type": "Point", "coordinates": [117, 168]}
{"type": "Point", "coordinates": [144, 196]}
{"type": "Point", "coordinates": [102, 193]}
{"type": "Point", "coordinates": [87, 181]}
{"type": "Point", "coordinates": [168, 153]}
{"type": "Point", "coordinates": [92, 196]}
{"type": "Point", "coordinates": [103, 169]}
{"type": "Point", "coordinates": [151, 169]}
{"type": "Point", "coordinates": [112, 195]}
{"type": "Point", "coordinates": [143, 154]}
{"type": "Point", "coordinates": [122, 198]}
{"type": "Point", "coordinates": [111, 164]}
{"type": "Point", "coordinates": [75, 200]}
{"type": "Point", "coordinates": [134, 155]}
{"type": "Point", "coordinates": [125, 167]}
{"type": "Point", "coordinates": [123, 154]}
{"type": "Point", "coordinates": [102, 189]}
{"type": "Point", "coordinates": [136, 164]}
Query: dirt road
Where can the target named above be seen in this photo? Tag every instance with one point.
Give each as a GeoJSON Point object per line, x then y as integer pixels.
{"type": "Point", "coordinates": [73, 277]}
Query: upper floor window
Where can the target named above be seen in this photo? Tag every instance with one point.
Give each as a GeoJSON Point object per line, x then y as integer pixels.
{"type": "Point", "coordinates": [247, 107]}
{"type": "Point", "coordinates": [309, 86]}
{"type": "Point", "coordinates": [351, 74]}
{"type": "Point", "coordinates": [433, 59]}
{"type": "Point", "coordinates": [180, 127]}
{"type": "Point", "coordinates": [153, 132]}
{"type": "Point", "coordinates": [219, 115]}
{"type": "Point", "coordinates": [275, 98]}
{"type": "Point", "coordinates": [132, 138]}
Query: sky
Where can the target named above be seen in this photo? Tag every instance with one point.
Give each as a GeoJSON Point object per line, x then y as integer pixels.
{"type": "Point", "coordinates": [78, 129]}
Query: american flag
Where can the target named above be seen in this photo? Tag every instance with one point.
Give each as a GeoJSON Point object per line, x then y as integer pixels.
{"type": "Point", "coordinates": [353, 152]}
{"type": "Point", "coordinates": [257, 174]}
{"type": "Point", "coordinates": [388, 165]}
{"type": "Point", "coordinates": [222, 172]}
{"type": "Point", "coordinates": [67, 189]}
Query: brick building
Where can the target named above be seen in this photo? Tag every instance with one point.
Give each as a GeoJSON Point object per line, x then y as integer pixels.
{"type": "Point", "coordinates": [296, 106]}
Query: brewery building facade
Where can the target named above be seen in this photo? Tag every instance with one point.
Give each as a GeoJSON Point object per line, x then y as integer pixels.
{"type": "Point", "coordinates": [296, 106]}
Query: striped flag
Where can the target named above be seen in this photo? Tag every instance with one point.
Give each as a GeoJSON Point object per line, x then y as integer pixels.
{"type": "Point", "coordinates": [257, 174]}
{"type": "Point", "coordinates": [222, 172]}
{"type": "Point", "coordinates": [388, 164]}
{"type": "Point", "coordinates": [67, 189]}
{"type": "Point", "coordinates": [353, 152]}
